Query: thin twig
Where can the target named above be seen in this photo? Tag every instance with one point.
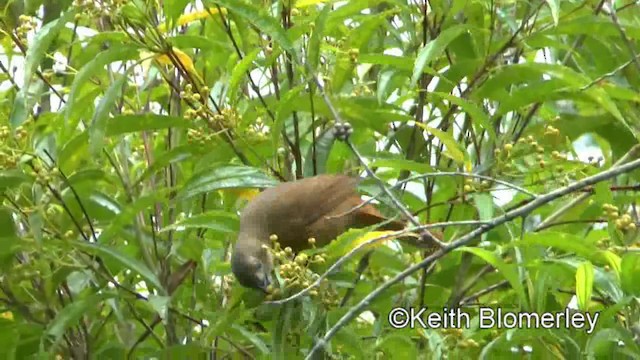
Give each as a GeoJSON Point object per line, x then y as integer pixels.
{"type": "Point", "coordinates": [484, 291]}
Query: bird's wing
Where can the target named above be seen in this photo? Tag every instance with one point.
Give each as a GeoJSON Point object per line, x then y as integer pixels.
{"type": "Point", "coordinates": [326, 195]}
{"type": "Point", "coordinates": [295, 205]}
{"type": "Point", "coordinates": [369, 215]}
{"type": "Point", "coordinates": [332, 195]}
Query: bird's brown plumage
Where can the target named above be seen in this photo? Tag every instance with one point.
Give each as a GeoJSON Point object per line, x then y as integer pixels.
{"type": "Point", "coordinates": [318, 207]}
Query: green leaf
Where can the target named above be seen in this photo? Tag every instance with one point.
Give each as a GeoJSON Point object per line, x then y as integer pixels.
{"type": "Point", "coordinates": [86, 175]}
{"type": "Point", "coordinates": [124, 124]}
{"type": "Point", "coordinates": [96, 66]}
{"type": "Point", "coordinates": [387, 84]}
{"type": "Point", "coordinates": [360, 36]}
{"type": "Point", "coordinates": [351, 343]}
{"type": "Point", "coordinates": [603, 193]}
{"type": "Point", "coordinates": [397, 62]}
{"type": "Point", "coordinates": [584, 285]}
{"type": "Point", "coordinates": [160, 304]}
{"type": "Point", "coordinates": [199, 42]}
{"type": "Point", "coordinates": [343, 71]}
{"type": "Point", "coordinates": [554, 6]}
{"type": "Point", "coordinates": [253, 338]}
{"type": "Point", "coordinates": [285, 108]}
{"type": "Point", "coordinates": [41, 43]}
{"type": "Point", "coordinates": [173, 156]}
{"type": "Point", "coordinates": [11, 179]}
{"type": "Point", "coordinates": [509, 271]}
{"type": "Point", "coordinates": [216, 220]}
{"type": "Point", "coordinates": [313, 56]}
{"type": "Point", "coordinates": [71, 314]}
{"type": "Point", "coordinates": [216, 178]}
{"type": "Point", "coordinates": [453, 149]}
{"type": "Point", "coordinates": [396, 344]}
{"type": "Point", "coordinates": [36, 224]}
{"type": "Point", "coordinates": [19, 112]}
{"type": "Point", "coordinates": [227, 318]}
{"type": "Point", "coordinates": [322, 150]}
{"type": "Point", "coordinates": [98, 205]}
{"type": "Point", "coordinates": [73, 152]}
{"type": "Point", "coordinates": [9, 247]}
{"type": "Point", "coordinates": [629, 270]}
{"type": "Point", "coordinates": [239, 71]}
{"type": "Point", "coordinates": [566, 242]}
{"type": "Point", "coordinates": [98, 125]}
{"type": "Point", "coordinates": [564, 83]}
{"type": "Point", "coordinates": [187, 351]}
{"type": "Point", "coordinates": [614, 261]}
{"type": "Point", "coordinates": [478, 116]}
{"type": "Point", "coordinates": [7, 224]}
{"type": "Point", "coordinates": [260, 19]}
{"type": "Point", "coordinates": [484, 205]}
{"type": "Point", "coordinates": [402, 164]}
{"type": "Point", "coordinates": [125, 260]}
{"type": "Point", "coordinates": [172, 10]}
{"type": "Point", "coordinates": [130, 211]}
{"type": "Point", "coordinates": [434, 48]}
{"type": "Point", "coordinates": [282, 326]}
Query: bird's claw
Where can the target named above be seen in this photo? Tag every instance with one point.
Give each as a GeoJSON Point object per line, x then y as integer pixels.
{"type": "Point", "coordinates": [433, 242]}
{"type": "Point", "coordinates": [342, 131]}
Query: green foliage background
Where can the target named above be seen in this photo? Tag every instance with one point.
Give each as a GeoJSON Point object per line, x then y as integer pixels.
{"type": "Point", "coordinates": [131, 132]}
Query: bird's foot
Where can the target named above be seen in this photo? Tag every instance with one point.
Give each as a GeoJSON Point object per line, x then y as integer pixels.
{"type": "Point", "coordinates": [432, 241]}
{"type": "Point", "coordinates": [342, 131]}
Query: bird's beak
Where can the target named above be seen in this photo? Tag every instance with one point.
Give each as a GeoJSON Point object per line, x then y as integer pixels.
{"type": "Point", "coordinates": [265, 283]}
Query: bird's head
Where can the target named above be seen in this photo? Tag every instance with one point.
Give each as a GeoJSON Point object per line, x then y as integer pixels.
{"type": "Point", "coordinates": [252, 265]}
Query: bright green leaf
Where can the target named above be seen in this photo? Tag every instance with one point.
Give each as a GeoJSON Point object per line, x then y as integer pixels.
{"type": "Point", "coordinates": [225, 177]}
{"type": "Point", "coordinates": [584, 285]}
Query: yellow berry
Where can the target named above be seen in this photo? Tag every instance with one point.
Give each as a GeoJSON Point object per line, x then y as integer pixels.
{"type": "Point", "coordinates": [301, 259]}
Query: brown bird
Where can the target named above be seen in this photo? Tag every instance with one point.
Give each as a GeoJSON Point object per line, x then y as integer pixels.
{"type": "Point", "coordinates": [317, 207]}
